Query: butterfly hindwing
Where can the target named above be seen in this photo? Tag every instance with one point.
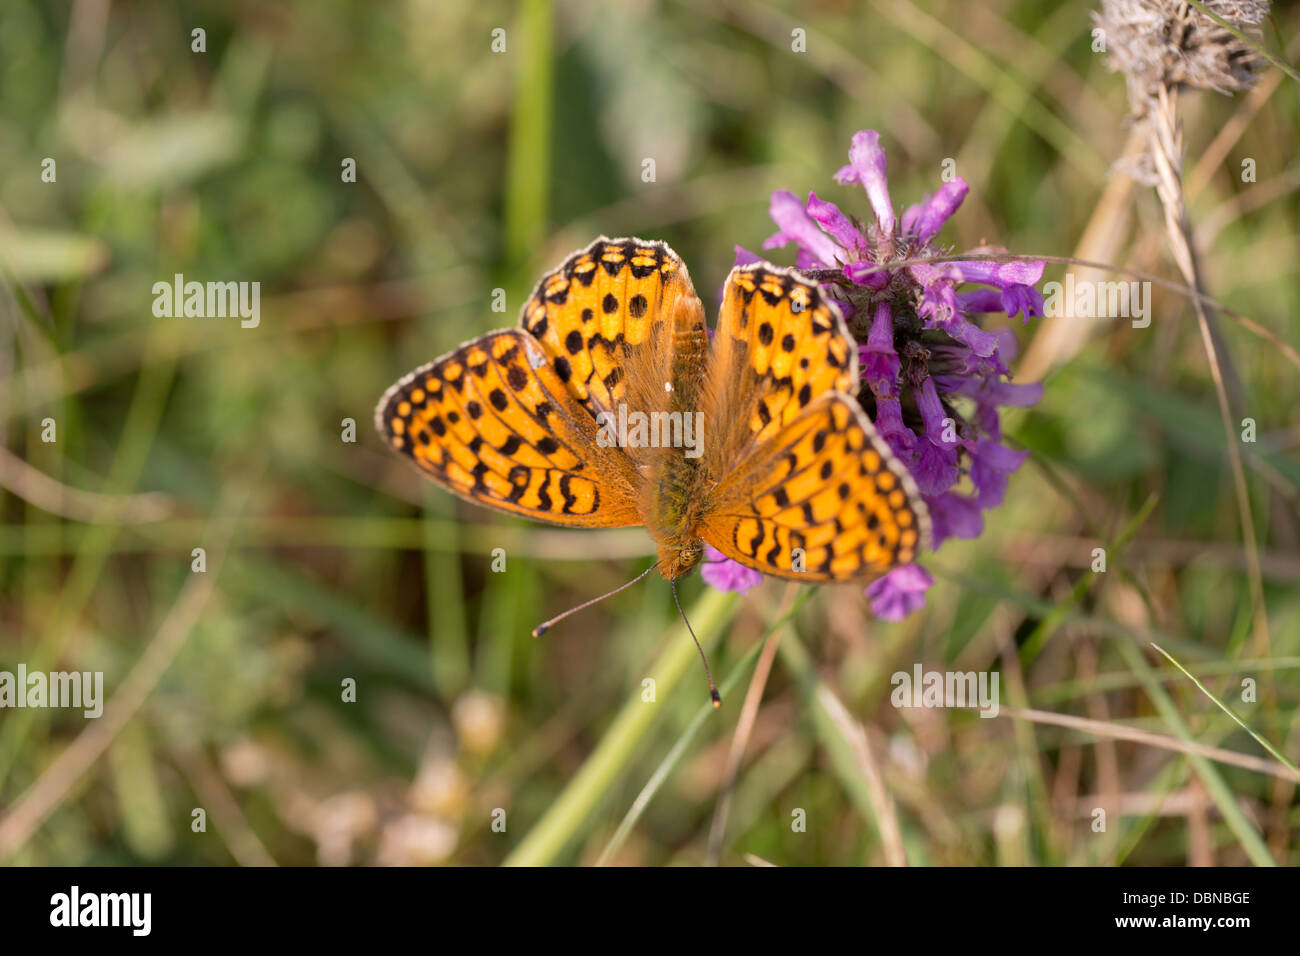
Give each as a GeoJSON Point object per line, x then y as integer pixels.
{"type": "Point", "coordinates": [494, 423]}
{"type": "Point", "coordinates": [823, 491]}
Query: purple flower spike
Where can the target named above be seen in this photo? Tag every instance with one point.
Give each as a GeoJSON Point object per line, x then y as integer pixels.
{"type": "Point", "coordinates": [723, 574]}
{"type": "Point", "coordinates": [921, 345]}
{"type": "Point", "coordinates": [926, 218]}
{"type": "Point", "coordinates": [800, 228]}
{"type": "Point", "coordinates": [867, 168]}
{"type": "Point", "coordinates": [899, 593]}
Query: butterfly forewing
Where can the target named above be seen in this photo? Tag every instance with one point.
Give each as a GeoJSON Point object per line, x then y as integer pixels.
{"type": "Point", "coordinates": [494, 423]}
{"type": "Point", "coordinates": [608, 312]}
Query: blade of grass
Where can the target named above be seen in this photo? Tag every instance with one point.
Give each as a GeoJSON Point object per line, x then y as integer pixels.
{"type": "Point", "coordinates": [1277, 754]}
{"type": "Point", "coordinates": [1251, 842]}
{"type": "Point", "coordinates": [572, 811]}
{"type": "Point", "coordinates": [447, 625]}
{"type": "Point", "coordinates": [1120, 731]}
{"type": "Point", "coordinates": [528, 168]}
{"type": "Point", "coordinates": [854, 769]}
{"type": "Point", "coordinates": [143, 419]}
{"type": "Point", "coordinates": [674, 755]}
{"type": "Point", "coordinates": [1041, 634]}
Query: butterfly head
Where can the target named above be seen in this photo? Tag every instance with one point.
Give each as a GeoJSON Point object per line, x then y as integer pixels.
{"type": "Point", "coordinates": [678, 558]}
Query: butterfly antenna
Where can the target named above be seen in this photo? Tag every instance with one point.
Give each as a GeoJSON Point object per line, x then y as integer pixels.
{"type": "Point", "coordinates": [713, 691]}
{"type": "Point", "coordinates": [541, 629]}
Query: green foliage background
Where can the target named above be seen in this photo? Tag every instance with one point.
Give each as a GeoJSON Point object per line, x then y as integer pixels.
{"type": "Point", "coordinates": [329, 560]}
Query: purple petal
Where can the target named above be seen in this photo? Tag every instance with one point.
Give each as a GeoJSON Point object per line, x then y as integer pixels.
{"type": "Point", "coordinates": [1025, 299]}
{"type": "Point", "coordinates": [992, 392]}
{"type": "Point", "coordinates": [798, 227]}
{"type": "Point", "coordinates": [966, 364]}
{"type": "Point", "coordinates": [990, 466]}
{"type": "Point", "coordinates": [927, 218]}
{"type": "Point", "coordinates": [935, 466]}
{"type": "Point", "coordinates": [837, 225]}
{"type": "Point", "coordinates": [1000, 274]}
{"type": "Point", "coordinates": [803, 259]}
{"type": "Point", "coordinates": [899, 593]}
{"type": "Point", "coordinates": [889, 424]}
{"type": "Point", "coordinates": [953, 516]}
{"type": "Point", "coordinates": [867, 274]}
{"type": "Point", "coordinates": [979, 300]}
{"type": "Point", "coordinates": [982, 343]}
{"type": "Point", "coordinates": [723, 574]}
{"type": "Point", "coordinates": [931, 409]}
{"type": "Point", "coordinates": [879, 362]}
{"type": "Point", "coordinates": [867, 168]}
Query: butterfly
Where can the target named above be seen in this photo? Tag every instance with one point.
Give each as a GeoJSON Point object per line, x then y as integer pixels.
{"type": "Point", "coordinates": [611, 405]}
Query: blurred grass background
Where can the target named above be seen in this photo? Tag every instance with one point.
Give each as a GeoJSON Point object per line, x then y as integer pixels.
{"type": "Point", "coordinates": [329, 560]}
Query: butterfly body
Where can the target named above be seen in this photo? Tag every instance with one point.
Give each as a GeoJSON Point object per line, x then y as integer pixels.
{"type": "Point", "coordinates": [611, 406]}
{"type": "Point", "coordinates": [677, 483]}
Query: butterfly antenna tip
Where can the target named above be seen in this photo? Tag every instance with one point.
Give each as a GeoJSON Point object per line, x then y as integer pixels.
{"type": "Point", "coordinates": [713, 690]}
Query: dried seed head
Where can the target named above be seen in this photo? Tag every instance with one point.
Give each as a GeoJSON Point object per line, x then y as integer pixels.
{"type": "Point", "coordinates": [1171, 44]}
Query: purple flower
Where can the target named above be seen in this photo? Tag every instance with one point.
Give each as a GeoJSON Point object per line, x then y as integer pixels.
{"type": "Point", "coordinates": [891, 427]}
{"type": "Point", "coordinates": [797, 226]}
{"type": "Point", "coordinates": [900, 592]}
{"type": "Point", "coordinates": [953, 516]}
{"type": "Point", "coordinates": [723, 574]}
{"type": "Point", "coordinates": [867, 168]}
{"type": "Point", "coordinates": [991, 463]}
{"type": "Point", "coordinates": [836, 225]}
{"type": "Point", "coordinates": [879, 361]}
{"type": "Point", "coordinates": [933, 376]}
{"type": "Point", "coordinates": [1022, 299]}
{"type": "Point", "coordinates": [926, 218]}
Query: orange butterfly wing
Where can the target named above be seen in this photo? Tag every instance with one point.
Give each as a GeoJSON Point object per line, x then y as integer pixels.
{"type": "Point", "coordinates": [806, 488]}
{"type": "Point", "coordinates": [509, 420]}
{"type": "Point", "coordinates": [493, 423]}
{"type": "Point", "coordinates": [607, 315]}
